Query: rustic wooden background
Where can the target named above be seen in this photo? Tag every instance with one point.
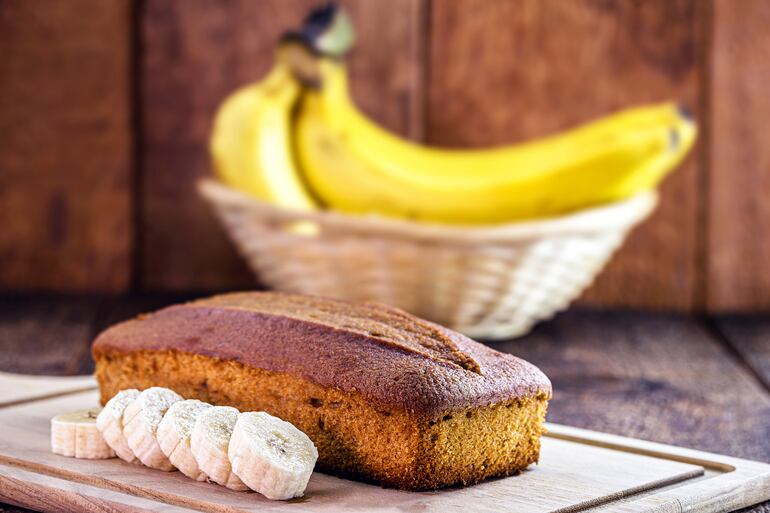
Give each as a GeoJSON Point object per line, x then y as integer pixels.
{"type": "Point", "coordinates": [105, 107]}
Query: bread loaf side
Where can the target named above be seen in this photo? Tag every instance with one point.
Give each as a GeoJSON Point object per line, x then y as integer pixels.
{"type": "Point", "coordinates": [385, 396]}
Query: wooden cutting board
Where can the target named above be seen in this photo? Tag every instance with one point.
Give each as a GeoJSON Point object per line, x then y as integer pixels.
{"type": "Point", "coordinates": [19, 388]}
{"type": "Point", "coordinates": [578, 471]}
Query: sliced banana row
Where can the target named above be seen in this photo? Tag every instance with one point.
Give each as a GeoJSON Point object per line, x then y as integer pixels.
{"type": "Point", "coordinates": [140, 426]}
{"type": "Point", "coordinates": [210, 441]}
{"type": "Point", "coordinates": [174, 436]}
{"type": "Point", "coordinates": [158, 428]}
{"type": "Point", "coordinates": [110, 423]}
{"type": "Point", "coordinates": [271, 456]}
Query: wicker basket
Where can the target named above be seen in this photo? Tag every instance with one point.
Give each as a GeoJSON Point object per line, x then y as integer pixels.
{"type": "Point", "coordinates": [487, 282]}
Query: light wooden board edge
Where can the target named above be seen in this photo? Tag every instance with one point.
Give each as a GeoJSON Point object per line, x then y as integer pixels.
{"type": "Point", "coordinates": [630, 494]}
{"type": "Point", "coordinates": [145, 485]}
{"type": "Point", "coordinates": [99, 484]}
{"type": "Point", "coordinates": [50, 494]}
{"type": "Point", "coordinates": [739, 484]}
{"type": "Point", "coordinates": [21, 388]}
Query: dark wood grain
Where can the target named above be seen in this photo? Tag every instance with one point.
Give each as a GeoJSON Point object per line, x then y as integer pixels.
{"type": "Point", "coordinates": [657, 377]}
{"type": "Point", "coordinates": [739, 213]}
{"type": "Point", "coordinates": [65, 150]}
{"type": "Point", "coordinates": [49, 336]}
{"type": "Point", "coordinates": [8, 508]}
{"type": "Point", "coordinates": [749, 335]}
{"type": "Point", "coordinates": [503, 71]}
{"type": "Point", "coordinates": [197, 53]}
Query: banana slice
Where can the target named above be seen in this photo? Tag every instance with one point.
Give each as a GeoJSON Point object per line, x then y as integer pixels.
{"type": "Point", "coordinates": [271, 456]}
{"type": "Point", "coordinates": [140, 425]}
{"type": "Point", "coordinates": [75, 434]}
{"type": "Point", "coordinates": [174, 436]}
{"type": "Point", "coordinates": [210, 440]}
{"type": "Point", "coordinates": [110, 423]}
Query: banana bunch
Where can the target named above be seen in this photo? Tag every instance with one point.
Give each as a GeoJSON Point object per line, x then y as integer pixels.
{"type": "Point", "coordinates": [296, 139]}
{"type": "Point", "coordinates": [161, 430]}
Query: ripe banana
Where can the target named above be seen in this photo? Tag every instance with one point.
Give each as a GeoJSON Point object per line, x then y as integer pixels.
{"type": "Point", "coordinates": [110, 423]}
{"type": "Point", "coordinates": [355, 166]}
{"type": "Point", "coordinates": [174, 433]}
{"type": "Point", "coordinates": [296, 139]}
{"type": "Point", "coordinates": [251, 141]}
{"type": "Point", "coordinates": [216, 443]}
{"type": "Point", "coordinates": [75, 434]}
{"type": "Point", "coordinates": [271, 456]}
{"type": "Point", "coordinates": [210, 440]}
{"type": "Point", "coordinates": [140, 425]}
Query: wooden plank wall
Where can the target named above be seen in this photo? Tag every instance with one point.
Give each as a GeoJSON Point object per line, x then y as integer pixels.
{"type": "Point", "coordinates": [739, 157]}
{"type": "Point", "coordinates": [66, 167]}
{"type": "Point", "coordinates": [104, 120]}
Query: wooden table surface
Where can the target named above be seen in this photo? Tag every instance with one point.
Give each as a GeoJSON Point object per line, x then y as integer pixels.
{"type": "Point", "coordinates": [696, 382]}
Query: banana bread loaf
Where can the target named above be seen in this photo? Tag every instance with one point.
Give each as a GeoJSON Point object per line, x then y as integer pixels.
{"type": "Point", "coordinates": [385, 396]}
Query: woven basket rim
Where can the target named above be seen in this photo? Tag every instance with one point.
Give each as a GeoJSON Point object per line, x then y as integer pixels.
{"type": "Point", "coordinates": [621, 215]}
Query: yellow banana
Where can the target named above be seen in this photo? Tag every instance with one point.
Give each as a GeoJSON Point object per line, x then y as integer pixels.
{"type": "Point", "coordinates": [251, 141]}
{"type": "Point", "coordinates": [296, 138]}
{"type": "Point", "coordinates": [355, 166]}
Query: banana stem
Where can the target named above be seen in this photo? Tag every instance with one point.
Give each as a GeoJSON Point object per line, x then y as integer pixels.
{"type": "Point", "coordinates": [326, 31]}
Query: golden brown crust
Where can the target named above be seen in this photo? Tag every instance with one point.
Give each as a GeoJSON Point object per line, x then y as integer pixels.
{"type": "Point", "coordinates": [384, 354]}
{"type": "Point", "coordinates": [355, 437]}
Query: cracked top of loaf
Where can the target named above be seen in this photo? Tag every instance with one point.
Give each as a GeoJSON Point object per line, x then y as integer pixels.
{"type": "Point", "coordinates": [385, 354]}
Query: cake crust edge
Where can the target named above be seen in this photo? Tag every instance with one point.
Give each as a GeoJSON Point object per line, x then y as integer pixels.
{"type": "Point", "coordinates": [357, 437]}
{"type": "Point", "coordinates": [347, 354]}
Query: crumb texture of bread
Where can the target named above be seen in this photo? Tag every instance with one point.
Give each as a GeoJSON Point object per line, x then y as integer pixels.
{"type": "Point", "coordinates": [385, 396]}
{"type": "Point", "coordinates": [355, 437]}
